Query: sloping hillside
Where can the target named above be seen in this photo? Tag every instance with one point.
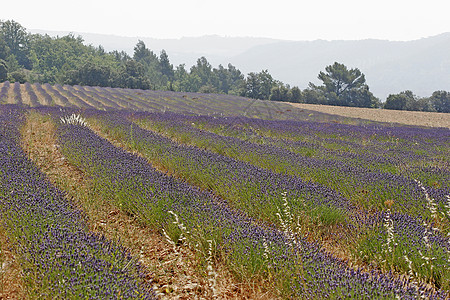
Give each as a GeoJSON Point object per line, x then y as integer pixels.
{"type": "Point", "coordinates": [34, 95]}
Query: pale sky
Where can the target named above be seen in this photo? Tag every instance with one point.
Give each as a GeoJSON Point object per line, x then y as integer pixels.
{"type": "Point", "coordinates": [282, 19]}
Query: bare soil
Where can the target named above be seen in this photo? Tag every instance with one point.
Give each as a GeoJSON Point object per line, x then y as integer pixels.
{"type": "Point", "coordinates": [11, 283]}
{"type": "Point", "coordinates": [172, 271]}
{"type": "Point", "coordinates": [429, 119]}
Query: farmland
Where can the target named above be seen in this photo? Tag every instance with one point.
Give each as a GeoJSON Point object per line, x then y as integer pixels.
{"type": "Point", "coordinates": [109, 193]}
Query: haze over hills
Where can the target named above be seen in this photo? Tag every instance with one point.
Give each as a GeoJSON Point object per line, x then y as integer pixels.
{"type": "Point", "coordinates": [181, 51]}
{"type": "Point", "coordinates": [422, 66]}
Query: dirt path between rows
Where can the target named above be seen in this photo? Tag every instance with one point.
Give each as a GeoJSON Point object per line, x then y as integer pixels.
{"type": "Point", "coordinates": [11, 281]}
{"type": "Point", "coordinates": [418, 118]}
{"type": "Point", "coordinates": [173, 271]}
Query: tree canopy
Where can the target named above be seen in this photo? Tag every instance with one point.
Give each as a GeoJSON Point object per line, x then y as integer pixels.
{"type": "Point", "coordinates": [16, 39]}
{"type": "Point", "coordinates": [67, 60]}
{"type": "Point", "coordinates": [406, 100]}
{"type": "Point", "coordinates": [344, 87]}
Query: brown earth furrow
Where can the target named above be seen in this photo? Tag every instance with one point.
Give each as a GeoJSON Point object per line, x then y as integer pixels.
{"type": "Point", "coordinates": [173, 271]}
{"type": "Point", "coordinates": [11, 283]}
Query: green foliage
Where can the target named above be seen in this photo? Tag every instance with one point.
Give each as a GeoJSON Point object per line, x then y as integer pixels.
{"type": "Point", "coordinates": [17, 76]}
{"type": "Point", "coordinates": [93, 73]}
{"type": "Point", "coordinates": [13, 64]}
{"type": "Point", "coordinates": [400, 101]}
{"type": "Point", "coordinates": [344, 87]}
{"type": "Point", "coordinates": [208, 89]}
{"type": "Point", "coordinates": [17, 40]}
{"type": "Point", "coordinates": [313, 96]}
{"type": "Point", "coordinates": [203, 70]}
{"type": "Point", "coordinates": [185, 81]}
{"type": "Point", "coordinates": [440, 101]}
{"type": "Point", "coordinates": [55, 57]}
{"type": "Point", "coordinates": [3, 70]}
{"type": "Point", "coordinates": [282, 92]}
{"type": "Point", "coordinates": [4, 49]}
{"type": "Point", "coordinates": [296, 94]}
{"type": "Point", "coordinates": [327, 215]}
{"type": "Point", "coordinates": [67, 60]}
{"type": "Point", "coordinates": [132, 75]}
{"type": "Point", "coordinates": [258, 85]}
{"type": "Point", "coordinates": [165, 67]}
{"type": "Point", "coordinates": [406, 100]}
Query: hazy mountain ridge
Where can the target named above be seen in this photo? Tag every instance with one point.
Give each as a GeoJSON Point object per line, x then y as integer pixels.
{"type": "Point", "coordinates": [422, 66]}
{"type": "Point", "coordinates": [190, 48]}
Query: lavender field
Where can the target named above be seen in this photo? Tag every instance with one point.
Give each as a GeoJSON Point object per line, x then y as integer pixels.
{"type": "Point", "coordinates": [285, 202]}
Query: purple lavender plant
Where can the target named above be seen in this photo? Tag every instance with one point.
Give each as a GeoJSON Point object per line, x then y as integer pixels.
{"type": "Point", "coordinates": [4, 92]}
{"type": "Point", "coordinates": [17, 93]}
{"type": "Point", "coordinates": [34, 101]}
{"type": "Point", "coordinates": [49, 235]}
{"type": "Point", "coordinates": [300, 271]}
{"type": "Point", "coordinates": [45, 97]}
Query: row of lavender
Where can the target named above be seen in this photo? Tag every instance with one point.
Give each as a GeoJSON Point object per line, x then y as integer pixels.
{"type": "Point", "coordinates": [384, 144]}
{"type": "Point", "coordinates": [58, 255]}
{"type": "Point", "coordinates": [145, 100]}
{"type": "Point", "coordinates": [415, 210]}
{"type": "Point", "coordinates": [250, 188]}
{"type": "Point", "coordinates": [340, 156]}
{"type": "Point", "coordinates": [297, 267]}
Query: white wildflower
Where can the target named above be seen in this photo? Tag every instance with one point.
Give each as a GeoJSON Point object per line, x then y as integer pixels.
{"type": "Point", "coordinates": [430, 201]}
{"type": "Point", "coordinates": [212, 275]}
{"type": "Point", "coordinates": [74, 120]}
{"type": "Point", "coordinates": [389, 225]}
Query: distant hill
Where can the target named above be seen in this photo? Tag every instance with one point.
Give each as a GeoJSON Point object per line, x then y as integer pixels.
{"type": "Point", "coordinates": [184, 50]}
{"type": "Point", "coordinates": [422, 66]}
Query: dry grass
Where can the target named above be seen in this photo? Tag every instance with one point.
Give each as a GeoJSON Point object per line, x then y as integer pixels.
{"type": "Point", "coordinates": [11, 283]}
{"type": "Point", "coordinates": [429, 119]}
{"type": "Point", "coordinates": [25, 96]}
{"type": "Point", "coordinates": [173, 272]}
{"type": "Point", "coordinates": [227, 287]}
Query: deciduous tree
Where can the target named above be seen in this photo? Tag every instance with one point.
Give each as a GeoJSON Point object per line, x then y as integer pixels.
{"type": "Point", "coordinates": [441, 101]}
{"type": "Point", "coordinates": [3, 70]}
{"type": "Point", "coordinates": [17, 40]}
{"type": "Point", "coordinates": [401, 101]}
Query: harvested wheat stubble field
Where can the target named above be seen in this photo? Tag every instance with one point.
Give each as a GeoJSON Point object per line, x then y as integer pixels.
{"type": "Point", "coordinates": [416, 118]}
{"type": "Point", "coordinates": [195, 196]}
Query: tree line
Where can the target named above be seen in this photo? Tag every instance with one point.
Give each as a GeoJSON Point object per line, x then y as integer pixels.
{"type": "Point", "coordinates": [26, 57]}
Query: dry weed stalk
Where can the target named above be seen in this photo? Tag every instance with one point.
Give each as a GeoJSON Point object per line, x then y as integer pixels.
{"type": "Point", "coordinates": [212, 275]}
{"type": "Point", "coordinates": [430, 201]}
{"type": "Point", "coordinates": [178, 250]}
{"type": "Point", "coordinates": [390, 239]}
{"type": "Point", "coordinates": [290, 234]}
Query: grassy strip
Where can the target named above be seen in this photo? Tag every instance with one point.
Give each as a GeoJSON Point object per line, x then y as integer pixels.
{"type": "Point", "coordinates": [11, 283]}
{"type": "Point", "coordinates": [368, 176]}
{"type": "Point", "coordinates": [296, 266]}
{"type": "Point", "coordinates": [397, 150]}
{"type": "Point", "coordinates": [59, 257]}
{"type": "Point", "coordinates": [371, 247]}
{"type": "Point", "coordinates": [254, 190]}
{"type": "Point", "coordinates": [175, 271]}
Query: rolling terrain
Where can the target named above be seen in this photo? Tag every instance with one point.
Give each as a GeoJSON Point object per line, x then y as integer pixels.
{"type": "Point", "coordinates": [85, 97]}
{"type": "Point", "coordinates": [109, 193]}
{"type": "Point", "coordinates": [390, 66]}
